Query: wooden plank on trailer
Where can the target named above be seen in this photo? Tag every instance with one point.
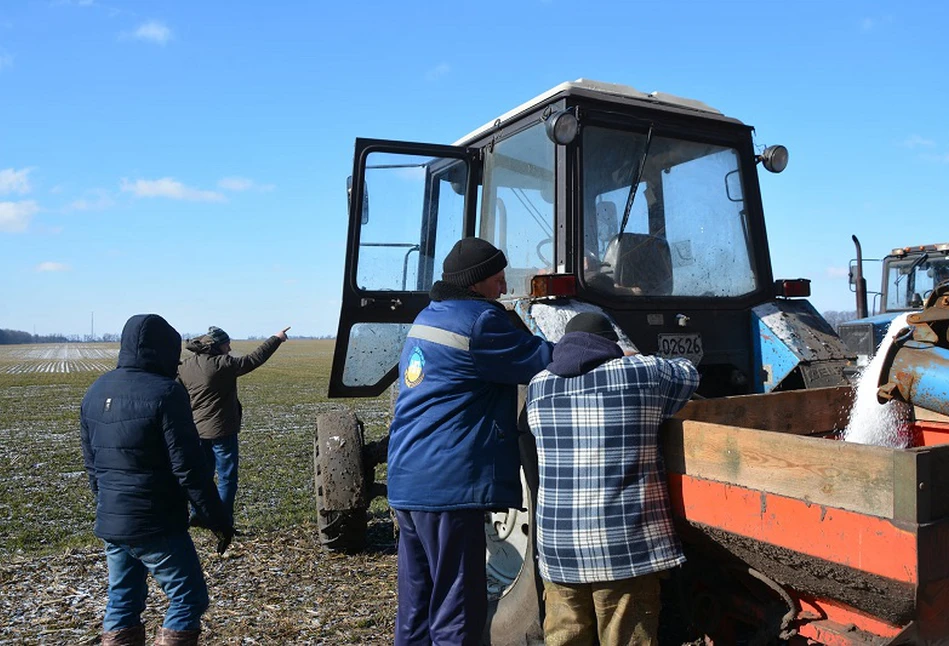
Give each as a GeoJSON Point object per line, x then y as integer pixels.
{"type": "Point", "coordinates": [826, 472]}
{"type": "Point", "coordinates": [802, 412]}
{"type": "Point", "coordinates": [928, 415]}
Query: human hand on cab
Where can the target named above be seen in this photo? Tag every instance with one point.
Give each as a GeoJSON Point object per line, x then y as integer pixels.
{"type": "Point", "coordinates": [282, 334]}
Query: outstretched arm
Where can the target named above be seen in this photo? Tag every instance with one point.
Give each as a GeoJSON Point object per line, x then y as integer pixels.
{"type": "Point", "coordinates": [258, 357]}
{"type": "Point", "coordinates": [504, 354]}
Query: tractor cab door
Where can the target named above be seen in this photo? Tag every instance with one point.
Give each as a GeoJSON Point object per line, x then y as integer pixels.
{"type": "Point", "coordinates": [408, 205]}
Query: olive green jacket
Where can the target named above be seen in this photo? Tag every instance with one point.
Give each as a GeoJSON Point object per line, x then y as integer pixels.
{"type": "Point", "coordinates": [211, 380]}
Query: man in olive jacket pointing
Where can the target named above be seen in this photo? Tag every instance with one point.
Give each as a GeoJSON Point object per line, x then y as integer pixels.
{"type": "Point", "coordinates": [210, 375]}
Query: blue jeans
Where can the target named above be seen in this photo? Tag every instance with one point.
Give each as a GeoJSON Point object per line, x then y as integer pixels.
{"type": "Point", "coordinates": [174, 563]}
{"type": "Point", "coordinates": [223, 456]}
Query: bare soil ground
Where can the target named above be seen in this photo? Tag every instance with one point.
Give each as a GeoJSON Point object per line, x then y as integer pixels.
{"type": "Point", "coordinates": [276, 587]}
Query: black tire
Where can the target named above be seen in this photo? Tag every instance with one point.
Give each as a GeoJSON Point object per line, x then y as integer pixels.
{"type": "Point", "coordinates": [340, 530]}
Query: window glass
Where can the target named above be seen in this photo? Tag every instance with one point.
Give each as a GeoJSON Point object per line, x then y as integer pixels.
{"type": "Point", "coordinates": [911, 280]}
{"type": "Point", "coordinates": [373, 349]}
{"type": "Point", "coordinates": [675, 227]}
{"type": "Point", "coordinates": [414, 216]}
{"type": "Point", "coordinates": [517, 205]}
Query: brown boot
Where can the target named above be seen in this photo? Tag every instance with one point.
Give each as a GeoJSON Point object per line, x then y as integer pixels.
{"type": "Point", "coordinates": [168, 637]}
{"type": "Point", "coordinates": [131, 636]}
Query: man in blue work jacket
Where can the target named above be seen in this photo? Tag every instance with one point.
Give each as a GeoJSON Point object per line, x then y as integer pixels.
{"type": "Point", "coordinates": [453, 450]}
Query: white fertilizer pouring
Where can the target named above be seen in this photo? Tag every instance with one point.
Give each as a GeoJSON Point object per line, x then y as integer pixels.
{"type": "Point", "coordinates": [871, 422]}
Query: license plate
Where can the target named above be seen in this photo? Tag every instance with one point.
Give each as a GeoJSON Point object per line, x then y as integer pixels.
{"type": "Point", "coordinates": [681, 345]}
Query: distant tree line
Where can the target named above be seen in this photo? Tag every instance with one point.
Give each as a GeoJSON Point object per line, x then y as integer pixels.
{"type": "Point", "coordinates": [323, 337]}
{"type": "Point", "coordinates": [10, 337]}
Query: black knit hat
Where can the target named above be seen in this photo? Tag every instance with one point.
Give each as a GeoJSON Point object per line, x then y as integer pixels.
{"type": "Point", "coordinates": [594, 323]}
{"type": "Point", "coordinates": [218, 336]}
{"type": "Point", "coordinates": [470, 261]}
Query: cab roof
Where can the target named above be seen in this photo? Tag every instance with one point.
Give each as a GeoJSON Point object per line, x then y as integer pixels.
{"type": "Point", "coordinates": [942, 247]}
{"type": "Point", "coordinates": [599, 90]}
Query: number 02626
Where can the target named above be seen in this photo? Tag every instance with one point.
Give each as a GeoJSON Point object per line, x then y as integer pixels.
{"type": "Point", "coordinates": [681, 345]}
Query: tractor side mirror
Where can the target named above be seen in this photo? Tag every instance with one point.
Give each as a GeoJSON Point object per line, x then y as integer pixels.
{"type": "Point", "coordinates": [365, 199]}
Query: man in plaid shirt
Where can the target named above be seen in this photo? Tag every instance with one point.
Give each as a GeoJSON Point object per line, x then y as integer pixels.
{"type": "Point", "coordinates": [604, 525]}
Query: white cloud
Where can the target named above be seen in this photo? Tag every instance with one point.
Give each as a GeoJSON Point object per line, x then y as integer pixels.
{"type": "Point", "coordinates": [437, 72]}
{"type": "Point", "coordinates": [867, 24]}
{"type": "Point", "coordinates": [6, 60]}
{"type": "Point", "coordinates": [16, 216]}
{"type": "Point", "coordinates": [170, 188]}
{"type": "Point", "coordinates": [838, 272]}
{"type": "Point", "coordinates": [52, 266]}
{"type": "Point", "coordinates": [97, 200]}
{"type": "Point", "coordinates": [242, 184]}
{"type": "Point", "coordinates": [915, 141]}
{"type": "Point", "coordinates": [15, 181]}
{"type": "Point", "coordinates": [152, 31]}
{"type": "Point", "coordinates": [942, 158]}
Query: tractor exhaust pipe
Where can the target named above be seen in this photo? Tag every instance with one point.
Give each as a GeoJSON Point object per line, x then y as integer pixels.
{"type": "Point", "coordinates": [860, 283]}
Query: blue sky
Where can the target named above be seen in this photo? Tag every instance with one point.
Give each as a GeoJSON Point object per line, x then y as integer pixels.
{"type": "Point", "coordinates": [190, 158]}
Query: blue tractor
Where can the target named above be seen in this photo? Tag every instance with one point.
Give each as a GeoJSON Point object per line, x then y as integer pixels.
{"type": "Point", "coordinates": [910, 277]}
{"type": "Point", "coordinates": [646, 207]}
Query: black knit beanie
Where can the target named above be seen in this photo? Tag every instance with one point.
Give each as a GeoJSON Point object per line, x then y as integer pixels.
{"type": "Point", "coordinates": [218, 336]}
{"type": "Point", "coordinates": [470, 261]}
{"type": "Point", "coordinates": [594, 323]}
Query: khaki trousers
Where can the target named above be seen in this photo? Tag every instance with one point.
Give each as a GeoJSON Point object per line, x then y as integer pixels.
{"type": "Point", "coordinates": [612, 613]}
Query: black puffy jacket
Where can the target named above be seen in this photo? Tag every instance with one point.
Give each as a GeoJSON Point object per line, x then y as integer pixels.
{"type": "Point", "coordinates": [139, 442]}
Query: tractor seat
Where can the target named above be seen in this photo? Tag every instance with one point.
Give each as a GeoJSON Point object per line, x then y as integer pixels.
{"type": "Point", "coordinates": [640, 260]}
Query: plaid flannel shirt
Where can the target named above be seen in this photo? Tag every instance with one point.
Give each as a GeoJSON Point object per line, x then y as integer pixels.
{"type": "Point", "coordinates": [603, 510]}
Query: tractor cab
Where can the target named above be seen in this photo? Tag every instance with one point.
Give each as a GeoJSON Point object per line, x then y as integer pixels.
{"type": "Point", "coordinates": [645, 206]}
{"type": "Point", "coordinates": [910, 276]}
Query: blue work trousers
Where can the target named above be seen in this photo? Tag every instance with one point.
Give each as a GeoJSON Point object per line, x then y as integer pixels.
{"type": "Point", "coordinates": [224, 456]}
{"type": "Point", "coordinates": [443, 595]}
{"type": "Point", "coordinates": [174, 563]}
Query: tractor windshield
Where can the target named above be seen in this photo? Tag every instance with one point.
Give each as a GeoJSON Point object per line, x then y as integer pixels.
{"type": "Point", "coordinates": [911, 279]}
{"type": "Point", "coordinates": [663, 217]}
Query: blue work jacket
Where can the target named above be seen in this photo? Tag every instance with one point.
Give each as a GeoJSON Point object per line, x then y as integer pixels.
{"type": "Point", "coordinates": [453, 440]}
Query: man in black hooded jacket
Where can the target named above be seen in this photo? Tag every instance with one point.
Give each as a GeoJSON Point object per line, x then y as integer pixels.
{"type": "Point", "coordinates": [144, 462]}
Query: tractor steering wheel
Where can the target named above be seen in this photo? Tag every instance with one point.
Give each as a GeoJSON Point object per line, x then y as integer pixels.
{"type": "Point", "coordinates": [540, 254]}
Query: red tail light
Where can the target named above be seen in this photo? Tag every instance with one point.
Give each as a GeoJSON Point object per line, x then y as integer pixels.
{"type": "Point", "coordinates": [798, 287]}
{"type": "Point", "coordinates": [546, 285]}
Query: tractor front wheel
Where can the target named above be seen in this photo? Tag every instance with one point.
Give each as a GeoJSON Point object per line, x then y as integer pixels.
{"type": "Point", "coordinates": [340, 482]}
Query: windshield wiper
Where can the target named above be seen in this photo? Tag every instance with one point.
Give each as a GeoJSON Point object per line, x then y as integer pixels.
{"type": "Point", "coordinates": [639, 177]}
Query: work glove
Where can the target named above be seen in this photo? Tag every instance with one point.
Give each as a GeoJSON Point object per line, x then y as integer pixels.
{"type": "Point", "coordinates": [224, 537]}
{"type": "Point", "coordinates": [196, 521]}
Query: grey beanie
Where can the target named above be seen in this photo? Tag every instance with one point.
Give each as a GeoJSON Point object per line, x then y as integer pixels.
{"type": "Point", "coordinates": [218, 336]}
{"type": "Point", "coordinates": [470, 261]}
{"type": "Point", "coordinates": [594, 323]}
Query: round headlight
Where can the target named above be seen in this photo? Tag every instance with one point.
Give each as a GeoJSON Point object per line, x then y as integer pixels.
{"type": "Point", "coordinates": [562, 127]}
{"type": "Point", "coordinates": [774, 158]}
